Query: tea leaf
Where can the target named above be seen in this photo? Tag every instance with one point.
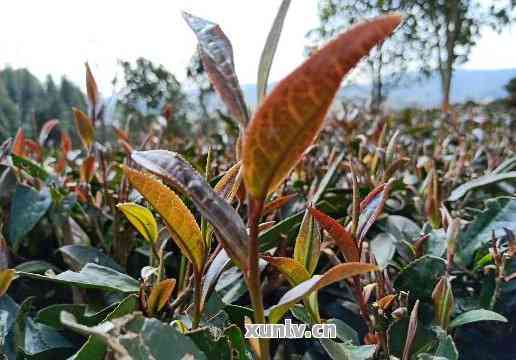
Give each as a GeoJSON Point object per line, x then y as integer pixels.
{"type": "Point", "coordinates": [340, 235]}
{"type": "Point", "coordinates": [488, 179]}
{"type": "Point", "coordinates": [18, 147]}
{"type": "Point", "coordinates": [178, 218]}
{"type": "Point", "coordinates": [291, 117]}
{"type": "Point", "coordinates": [28, 206]}
{"type": "Point", "coordinates": [84, 127]}
{"type": "Point", "coordinates": [292, 269]}
{"type": "Point", "coordinates": [91, 87]}
{"type": "Point", "coordinates": [88, 168]}
{"type": "Point", "coordinates": [6, 277]}
{"type": "Point", "coordinates": [500, 213]}
{"type": "Point", "coordinates": [271, 44]}
{"type": "Point", "coordinates": [411, 332]}
{"type": "Point", "coordinates": [213, 273]}
{"type": "Point", "coordinates": [225, 187]}
{"type": "Point", "coordinates": [32, 168]}
{"type": "Point", "coordinates": [476, 315]}
{"type": "Point", "coordinates": [160, 296]}
{"type": "Point", "coordinates": [217, 57]}
{"type": "Point", "coordinates": [443, 301]}
{"type": "Point", "coordinates": [142, 219]}
{"type": "Point", "coordinates": [420, 276]}
{"type": "Point", "coordinates": [174, 170]}
{"type": "Point", "coordinates": [335, 274]}
{"type": "Point", "coordinates": [371, 208]}
{"type": "Point", "coordinates": [91, 276]}
{"type": "Point", "coordinates": [308, 243]}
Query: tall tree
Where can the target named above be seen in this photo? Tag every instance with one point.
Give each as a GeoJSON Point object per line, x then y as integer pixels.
{"type": "Point", "coordinates": [148, 87]}
{"type": "Point", "coordinates": [447, 30]}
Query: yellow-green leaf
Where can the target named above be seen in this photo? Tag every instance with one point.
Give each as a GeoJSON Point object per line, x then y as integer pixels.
{"type": "Point", "coordinates": [290, 118]}
{"type": "Point", "coordinates": [178, 218]}
{"type": "Point", "coordinates": [335, 274]}
{"type": "Point", "coordinates": [308, 243]}
{"type": "Point", "coordinates": [290, 268]}
{"type": "Point", "coordinates": [160, 295]}
{"type": "Point", "coordinates": [84, 127]}
{"type": "Point", "coordinates": [6, 277]}
{"type": "Point", "coordinates": [142, 219]}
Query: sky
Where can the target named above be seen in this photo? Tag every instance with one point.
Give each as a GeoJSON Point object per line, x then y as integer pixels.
{"type": "Point", "coordinates": [57, 36]}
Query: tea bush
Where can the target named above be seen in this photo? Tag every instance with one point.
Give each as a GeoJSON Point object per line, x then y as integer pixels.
{"type": "Point", "coordinates": [396, 228]}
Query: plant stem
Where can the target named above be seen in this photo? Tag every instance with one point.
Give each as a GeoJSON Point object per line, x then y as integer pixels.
{"type": "Point", "coordinates": [197, 300]}
{"type": "Point", "coordinates": [253, 277]}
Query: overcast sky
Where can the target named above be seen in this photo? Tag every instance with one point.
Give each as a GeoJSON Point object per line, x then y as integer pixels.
{"type": "Point", "coordinates": [57, 36]}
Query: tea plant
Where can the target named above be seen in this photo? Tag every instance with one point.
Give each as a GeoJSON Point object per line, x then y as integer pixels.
{"type": "Point", "coordinates": [364, 229]}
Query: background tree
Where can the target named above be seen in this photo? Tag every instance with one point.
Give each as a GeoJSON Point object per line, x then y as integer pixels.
{"type": "Point", "coordinates": [511, 89]}
{"type": "Point", "coordinates": [147, 88]}
{"type": "Point", "coordinates": [26, 102]}
{"type": "Point", "coordinates": [387, 63]}
{"type": "Point", "coordinates": [447, 30]}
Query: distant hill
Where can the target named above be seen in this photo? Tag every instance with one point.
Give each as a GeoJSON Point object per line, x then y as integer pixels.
{"type": "Point", "coordinates": [476, 85]}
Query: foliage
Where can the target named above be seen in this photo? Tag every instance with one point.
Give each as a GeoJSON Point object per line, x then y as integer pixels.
{"type": "Point", "coordinates": [399, 230]}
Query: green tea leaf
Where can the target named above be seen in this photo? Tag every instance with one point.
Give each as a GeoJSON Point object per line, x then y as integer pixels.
{"type": "Point", "coordinates": [475, 316]}
{"type": "Point", "coordinates": [142, 219]}
{"type": "Point", "coordinates": [27, 208]}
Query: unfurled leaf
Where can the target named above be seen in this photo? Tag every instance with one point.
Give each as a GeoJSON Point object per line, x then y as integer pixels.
{"type": "Point", "coordinates": [160, 296]}
{"type": "Point", "coordinates": [28, 206]}
{"type": "Point", "coordinates": [340, 235]}
{"type": "Point", "coordinates": [33, 169]}
{"type": "Point", "coordinates": [217, 58]}
{"type": "Point", "coordinates": [175, 171]}
{"type": "Point", "coordinates": [178, 218]}
{"type": "Point", "coordinates": [308, 243]}
{"type": "Point", "coordinates": [91, 276]}
{"type": "Point", "coordinates": [66, 143]}
{"type": "Point", "coordinates": [290, 118]}
{"type": "Point", "coordinates": [385, 302]}
{"type": "Point", "coordinates": [91, 87]}
{"type": "Point", "coordinates": [84, 127]}
{"type": "Point", "coordinates": [34, 150]}
{"type": "Point", "coordinates": [420, 276]}
{"type": "Point", "coordinates": [18, 147]}
{"type": "Point", "coordinates": [371, 208]}
{"type": "Point", "coordinates": [6, 277]}
{"type": "Point", "coordinates": [88, 167]}
{"type": "Point", "coordinates": [335, 274]}
{"type": "Point", "coordinates": [442, 298]}
{"type": "Point", "coordinates": [488, 179]}
{"type": "Point", "coordinates": [46, 129]}
{"type": "Point", "coordinates": [476, 315]}
{"type": "Point", "coordinates": [292, 269]}
{"type": "Point", "coordinates": [142, 219]}
{"type": "Point", "coordinates": [500, 213]}
{"type": "Point", "coordinates": [271, 44]}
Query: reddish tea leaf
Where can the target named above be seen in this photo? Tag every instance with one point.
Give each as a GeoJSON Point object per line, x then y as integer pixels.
{"type": "Point", "coordinates": [371, 208]}
{"type": "Point", "coordinates": [84, 127]}
{"type": "Point", "coordinates": [34, 149]}
{"type": "Point", "coordinates": [88, 168]}
{"type": "Point", "coordinates": [291, 117]}
{"type": "Point", "coordinates": [217, 58]}
{"type": "Point", "coordinates": [342, 237]}
{"type": "Point", "coordinates": [18, 147]}
{"type": "Point", "coordinates": [91, 87]}
{"type": "Point", "coordinates": [66, 143]}
{"type": "Point", "coordinates": [160, 296]}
